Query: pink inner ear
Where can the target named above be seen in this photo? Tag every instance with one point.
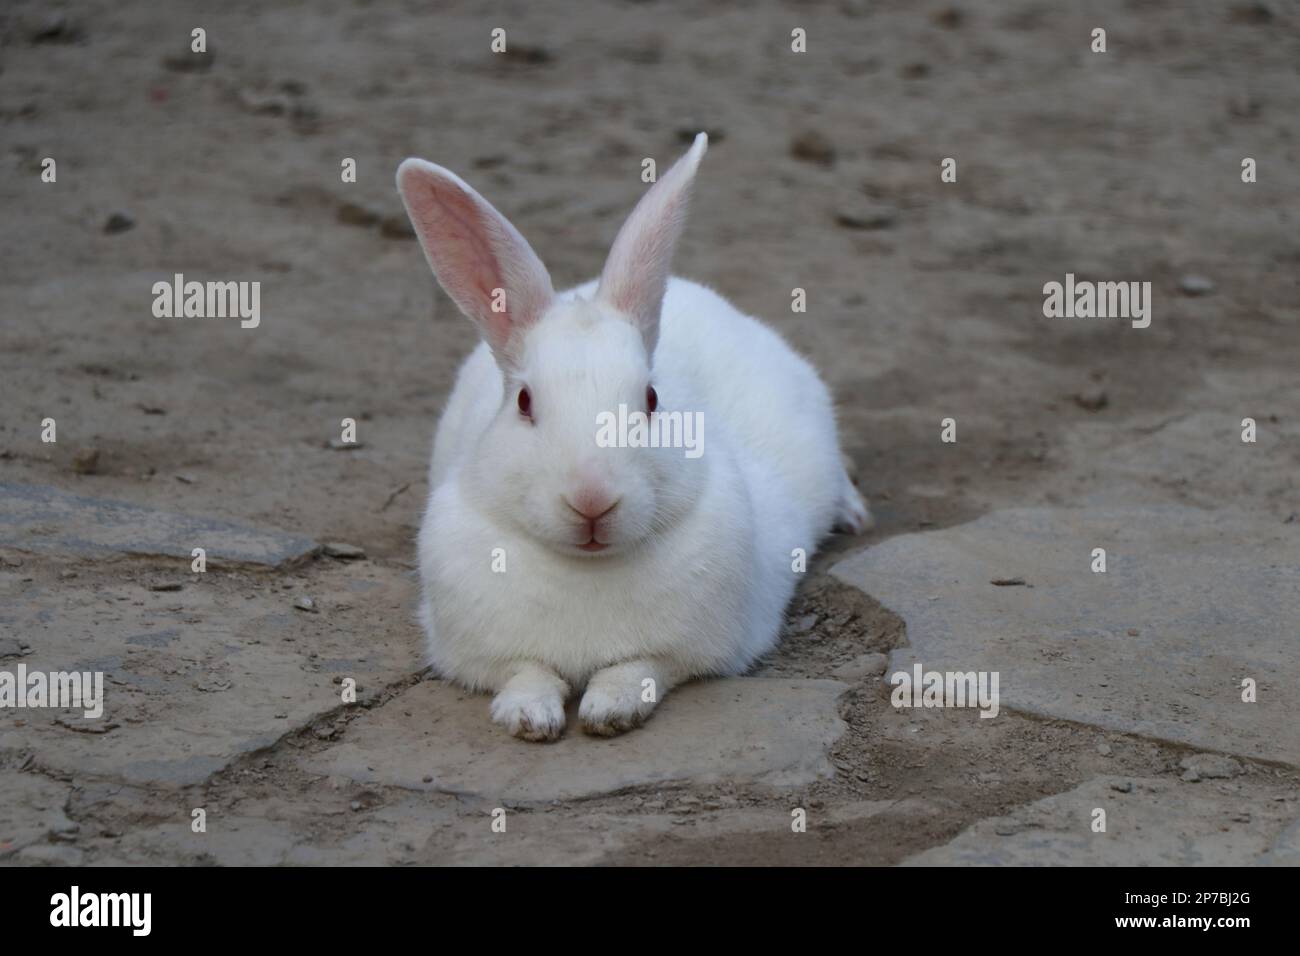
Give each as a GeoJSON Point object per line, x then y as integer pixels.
{"type": "Point", "coordinates": [459, 247]}
{"type": "Point", "coordinates": [635, 276]}
{"type": "Point", "coordinates": [474, 250]}
{"type": "Point", "coordinates": [641, 271]}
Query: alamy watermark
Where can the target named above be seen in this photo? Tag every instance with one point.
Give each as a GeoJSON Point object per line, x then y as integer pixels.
{"type": "Point", "coordinates": [1098, 300]}
{"type": "Point", "coordinates": [636, 429]}
{"type": "Point", "coordinates": [923, 688]}
{"type": "Point", "coordinates": [71, 689]}
{"type": "Point", "coordinates": [75, 908]}
{"type": "Point", "coordinates": [208, 300]}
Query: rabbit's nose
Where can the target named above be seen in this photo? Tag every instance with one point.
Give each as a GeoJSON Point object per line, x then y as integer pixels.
{"type": "Point", "coordinates": [591, 505]}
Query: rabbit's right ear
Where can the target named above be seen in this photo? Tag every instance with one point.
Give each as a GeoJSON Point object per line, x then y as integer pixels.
{"type": "Point", "coordinates": [480, 259]}
{"type": "Point", "coordinates": [635, 277]}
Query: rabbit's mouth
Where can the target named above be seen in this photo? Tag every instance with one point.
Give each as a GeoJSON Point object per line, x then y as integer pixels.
{"type": "Point", "coordinates": [593, 546]}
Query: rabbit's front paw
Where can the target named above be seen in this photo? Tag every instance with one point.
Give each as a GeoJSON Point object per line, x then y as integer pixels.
{"type": "Point", "coordinates": [618, 699]}
{"type": "Point", "coordinates": [530, 708]}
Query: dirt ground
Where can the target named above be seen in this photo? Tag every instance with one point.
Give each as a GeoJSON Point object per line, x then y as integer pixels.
{"type": "Point", "coordinates": [924, 302]}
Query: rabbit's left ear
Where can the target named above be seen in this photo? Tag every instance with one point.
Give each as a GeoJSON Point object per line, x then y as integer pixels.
{"type": "Point", "coordinates": [482, 261]}
{"type": "Point", "coordinates": [635, 276]}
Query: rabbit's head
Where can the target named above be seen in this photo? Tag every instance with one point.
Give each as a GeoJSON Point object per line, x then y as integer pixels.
{"type": "Point", "coordinates": [568, 364]}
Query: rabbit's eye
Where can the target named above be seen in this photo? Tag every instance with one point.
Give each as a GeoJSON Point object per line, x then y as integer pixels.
{"type": "Point", "coordinates": [651, 399]}
{"type": "Point", "coordinates": [525, 403]}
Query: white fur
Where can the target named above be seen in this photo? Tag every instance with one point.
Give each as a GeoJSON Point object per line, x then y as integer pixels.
{"type": "Point", "coordinates": [698, 568]}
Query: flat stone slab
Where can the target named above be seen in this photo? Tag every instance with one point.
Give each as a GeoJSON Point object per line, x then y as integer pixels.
{"type": "Point", "coordinates": [43, 519]}
{"type": "Point", "coordinates": [32, 811]}
{"type": "Point", "coordinates": [197, 677]}
{"type": "Point", "coordinates": [234, 840]}
{"type": "Point", "coordinates": [1192, 602]}
{"type": "Point", "coordinates": [1285, 850]}
{"type": "Point", "coordinates": [1149, 822]}
{"type": "Point", "coordinates": [771, 731]}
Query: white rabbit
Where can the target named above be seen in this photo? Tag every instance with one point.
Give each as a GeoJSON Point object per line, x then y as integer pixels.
{"type": "Point", "coordinates": [551, 561]}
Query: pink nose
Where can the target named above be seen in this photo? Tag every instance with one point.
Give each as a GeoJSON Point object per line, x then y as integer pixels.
{"type": "Point", "coordinates": [592, 505]}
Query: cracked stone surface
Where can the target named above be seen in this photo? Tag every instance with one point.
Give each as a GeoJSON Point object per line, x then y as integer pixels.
{"type": "Point", "coordinates": [194, 678]}
{"type": "Point", "coordinates": [1285, 850]}
{"type": "Point", "coordinates": [770, 731]}
{"type": "Point", "coordinates": [32, 810]}
{"type": "Point", "coordinates": [401, 831]}
{"type": "Point", "coordinates": [43, 519]}
{"type": "Point", "coordinates": [1158, 645]}
{"type": "Point", "coordinates": [243, 840]}
{"type": "Point", "coordinates": [221, 694]}
{"type": "Point", "coordinates": [1149, 822]}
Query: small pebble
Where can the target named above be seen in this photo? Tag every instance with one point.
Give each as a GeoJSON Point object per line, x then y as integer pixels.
{"type": "Point", "coordinates": [305, 603]}
{"type": "Point", "coordinates": [804, 624]}
{"type": "Point", "coordinates": [1196, 285]}
{"type": "Point", "coordinates": [865, 215]}
{"type": "Point", "coordinates": [342, 551]}
{"type": "Point", "coordinates": [1092, 400]}
{"type": "Point", "coordinates": [87, 462]}
{"type": "Point", "coordinates": [687, 134]}
{"type": "Point", "coordinates": [118, 222]}
{"type": "Point", "coordinates": [1254, 13]}
{"type": "Point", "coordinates": [1209, 767]}
{"type": "Point", "coordinates": [950, 18]}
{"type": "Point", "coordinates": [352, 214]}
{"type": "Point", "coordinates": [190, 62]}
{"type": "Point", "coordinates": [396, 227]}
{"type": "Point", "coordinates": [54, 28]}
{"type": "Point", "coordinates": [530, 55]}
{"type": "Point", "coordinates": [862, 666]}
{"type": "Point", "coordinates": [269, 104]}
{"type": "Point", "coordinates": [813, 147]}
{"type": "Point", "coordinates": [84, 725]}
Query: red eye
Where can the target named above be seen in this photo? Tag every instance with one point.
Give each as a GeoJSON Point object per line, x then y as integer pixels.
{"type": "Point", "coordinates": [651, 399]}
{"type": "Point", "coordinates": [525, 403]}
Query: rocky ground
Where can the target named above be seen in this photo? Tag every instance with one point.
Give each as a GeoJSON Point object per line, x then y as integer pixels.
{"type": "Point", "coordinates": [1120, 691]}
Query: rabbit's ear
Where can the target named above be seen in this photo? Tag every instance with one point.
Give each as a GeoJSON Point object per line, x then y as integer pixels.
{"type": "Point", "coordinates": [636, 273]}
{"type": "Point", "coordinates": [482, 261]}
